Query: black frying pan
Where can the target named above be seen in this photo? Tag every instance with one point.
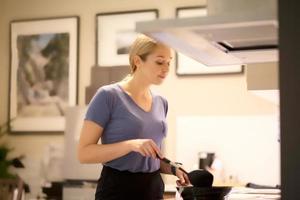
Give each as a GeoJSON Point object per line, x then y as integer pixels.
{"type": "Point", "coordinates": [203, 193]}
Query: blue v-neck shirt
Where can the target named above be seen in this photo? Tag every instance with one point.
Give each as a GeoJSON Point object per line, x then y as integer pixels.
{"type": "Point", "coordinates": [122, 119]}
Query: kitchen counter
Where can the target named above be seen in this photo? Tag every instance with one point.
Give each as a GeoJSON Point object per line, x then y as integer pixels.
{"type": "Point", "coordinates": [237, 193]}
{"type": "Point", "coordinates": [243, 193]}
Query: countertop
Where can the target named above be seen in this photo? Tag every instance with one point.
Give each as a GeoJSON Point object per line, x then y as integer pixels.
{"type": "Point", "coordinates": [237, 193]}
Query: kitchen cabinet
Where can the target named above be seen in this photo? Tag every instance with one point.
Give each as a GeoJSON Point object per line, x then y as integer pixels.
{"type": "Point", "coordinates": [101, 76]}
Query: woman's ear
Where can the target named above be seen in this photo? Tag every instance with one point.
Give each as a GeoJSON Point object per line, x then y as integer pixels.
{"type": "Point", "coordinates": [137, 60]}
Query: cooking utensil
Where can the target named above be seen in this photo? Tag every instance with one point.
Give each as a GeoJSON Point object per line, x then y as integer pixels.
{"type": "Point", "coordinates": [203, 193]}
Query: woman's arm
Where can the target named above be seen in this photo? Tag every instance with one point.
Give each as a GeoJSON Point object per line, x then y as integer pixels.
{"type": "Point", "coordinates": [90, 152]}
{"type": "Point", "coordinates": [183, 178]}
{"type": "Point", "coordinates": [165, 168]}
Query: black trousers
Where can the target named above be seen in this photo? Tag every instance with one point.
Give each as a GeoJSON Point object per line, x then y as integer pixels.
{"type": "Point", "coordinates": [124, 185]}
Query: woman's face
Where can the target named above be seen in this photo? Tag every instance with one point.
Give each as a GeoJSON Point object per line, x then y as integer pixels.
{"type": "Point", "coordinates": [156, 66]}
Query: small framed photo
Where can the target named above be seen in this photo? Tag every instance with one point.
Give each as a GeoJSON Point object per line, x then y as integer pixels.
{"type": "Point", "coordinates": [115, 34]}
{"type": "Point", "coordinates": [186, 66]}
{"type": "Point", "coordinates": [43, 73]}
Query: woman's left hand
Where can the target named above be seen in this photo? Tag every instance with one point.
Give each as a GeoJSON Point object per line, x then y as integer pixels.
{"type": "Point", "coordinates": [183, 178]}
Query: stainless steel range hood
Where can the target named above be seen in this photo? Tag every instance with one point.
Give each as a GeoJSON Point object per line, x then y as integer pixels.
{"type": "Point", "coordinates": [234, 32]}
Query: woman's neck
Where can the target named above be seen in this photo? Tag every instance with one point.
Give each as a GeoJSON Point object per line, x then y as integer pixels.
{"type": "Point", "coordinates": [136, 87]}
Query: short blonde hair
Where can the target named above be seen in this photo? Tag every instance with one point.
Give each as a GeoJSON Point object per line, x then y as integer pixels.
{"type": "Point", "coordinates": [142, 47]}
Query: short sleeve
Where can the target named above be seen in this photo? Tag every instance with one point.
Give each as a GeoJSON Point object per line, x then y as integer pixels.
{"type": "Point", "coordinates": [99, 108]}
{"type": "Point", "coordinates": [165, 102]}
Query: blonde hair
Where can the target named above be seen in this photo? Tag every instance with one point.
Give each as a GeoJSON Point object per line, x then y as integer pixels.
{"type": "Point", "coordinates": [142, 47]}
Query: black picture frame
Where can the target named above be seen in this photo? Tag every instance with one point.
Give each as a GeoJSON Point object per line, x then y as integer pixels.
{"type": "Point", "coordinates": [115, 31]}
{"type": "Point", "coordinates": [43, 73]}
{"type": "Point", "coordinates": [186, 66]}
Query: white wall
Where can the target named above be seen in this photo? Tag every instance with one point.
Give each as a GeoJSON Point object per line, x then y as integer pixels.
{"type": "Point", "coordinates": [201, 95]}
{"type": "Point", "coordinates": [209, 96]}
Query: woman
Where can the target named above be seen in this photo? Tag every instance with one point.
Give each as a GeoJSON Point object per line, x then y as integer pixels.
{"type": "Point", "coordinates": [131, 122]}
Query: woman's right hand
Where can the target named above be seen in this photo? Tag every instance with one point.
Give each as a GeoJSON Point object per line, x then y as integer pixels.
{"type": "Point", "coordinates": [145, 147]}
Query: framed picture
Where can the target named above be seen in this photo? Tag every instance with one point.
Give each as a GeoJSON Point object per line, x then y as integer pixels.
{"type": "Point", "coordinates": [43, 73]}
{"type": "Point", "coordinates": [186, 66]}
{"type": "Point", "coordinates": [115, 34]}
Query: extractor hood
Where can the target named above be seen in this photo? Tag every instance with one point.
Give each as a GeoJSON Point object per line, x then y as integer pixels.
{"type": "Point", "coordinates": [235, 32]}
{"type": "Point", "coordinates": [262, 81]}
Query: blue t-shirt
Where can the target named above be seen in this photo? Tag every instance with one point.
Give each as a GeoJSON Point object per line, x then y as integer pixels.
{"type": "Point", "coordinates": [122, 119]}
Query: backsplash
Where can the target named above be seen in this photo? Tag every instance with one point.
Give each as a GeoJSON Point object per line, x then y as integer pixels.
{"type": "Point", "coordinates": [246, 146]}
